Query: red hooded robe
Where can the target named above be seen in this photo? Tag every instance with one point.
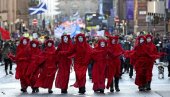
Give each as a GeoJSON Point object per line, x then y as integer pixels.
{"type": "Point", "coordinates": [81, 52]}
{"type": "Point", "coordinates": [114, 62]}
{"type": "Point", "coordinates": [139, 59]}
{"type": "Point", "coordinates": [49, 67]}
{"type": "Point", "coordinates": [99, 56]}
{"type": "Point", "coordinates": [33, 70]}
{"type": "Point", "coordinates": [22, 61]}
{"type": "Point", "coordinates": [64, 63]}
{"type": "Point", "coordinates": [152, 50]}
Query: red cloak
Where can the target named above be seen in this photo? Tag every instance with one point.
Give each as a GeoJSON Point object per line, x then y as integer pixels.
{"type": "Point", "coordinates": [33, 70]}
{"type": "Point", "coordinates": [22, 61]}
{"type": "Point", "coordinates": [140, 59]}
{"type": "Point", "coordinates": [114, 62]}
{"type": "Point", "coordinates": [49, 67]}
{"type": "Point", "coordinates": [81, 52]}
{"type": "Point", "coordinates": [64, 63]}
{"type": "Point", "coordinates": [99, 56]}
{"type": "Point", "coordinates": [152, 51]}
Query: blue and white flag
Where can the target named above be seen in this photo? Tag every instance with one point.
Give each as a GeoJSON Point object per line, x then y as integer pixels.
{"type": "Point", "coordinates": [75, 30]}
{"type": "Point", "coordinates": [58, 31]}
{"type": "Point", "coordinates": [41, 8]}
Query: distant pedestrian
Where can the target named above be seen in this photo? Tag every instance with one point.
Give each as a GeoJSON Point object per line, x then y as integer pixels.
{"type": "Point", "coordinates": [5, 51]}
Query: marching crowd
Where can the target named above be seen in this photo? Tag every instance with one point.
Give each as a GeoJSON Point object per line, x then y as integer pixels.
{"type": "Point", "coordinates": [36, 67]}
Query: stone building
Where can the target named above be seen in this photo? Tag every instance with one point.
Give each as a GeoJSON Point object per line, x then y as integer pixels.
{"type": "Point", "coordinates": [70, 7]}
{"type": "Point", "coordinates": [8, 14]}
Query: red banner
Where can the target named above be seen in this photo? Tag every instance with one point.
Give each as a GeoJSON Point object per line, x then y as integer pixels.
{"type": "Point", "coordinates": [5, 35]}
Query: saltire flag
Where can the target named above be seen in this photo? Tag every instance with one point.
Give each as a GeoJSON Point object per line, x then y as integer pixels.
{"type": "Point", "coordinates": [5, 35]}
{"type": "Point", "coordinates": [41, 8]}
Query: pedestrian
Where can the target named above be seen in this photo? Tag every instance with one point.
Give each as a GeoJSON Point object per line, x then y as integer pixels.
{"type": "Point", "coordinates": [22, 60]}
{"type": "Point", "coordinates": [81, 54]}
{"type": "Point", "coordinates": [64, 63]}
{"type": "Point", "coordinates": [7, 61]}
{"type": "Point", "coordinates": [128, 66]}
{"type": "Point", "coordinates": [33, 69]}
{"type": "Point", "coordinates": [99, 57]}
{"type": "Point", "coordinates": [1, 45]}
{"type": "Point", "coordinates": [168, 57]}
{"type": "Point", "coordinates": [49, 67]}
{"type": "Point", "coordinates": [90, 66]}
{"type": "Point", "coordinates": [114, 63]}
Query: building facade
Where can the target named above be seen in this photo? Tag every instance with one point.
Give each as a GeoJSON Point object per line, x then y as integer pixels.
{"type": "Point", "coordinates": [70, 7]}
{"type": "Point", "coordinates": [8, 14]}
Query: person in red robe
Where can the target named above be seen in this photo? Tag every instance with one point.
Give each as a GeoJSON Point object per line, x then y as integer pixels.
{"type": "Point", "coordinates": [22, 60]}
{"type": "Point", "coordinates": [139, 59]}
{"type": "Point", "coordinates": [64, 64]}
{"type": "Point", "coordinates": [33, 70]}
{"type": "Point", "coordinates": [152, 50]}
{"type": "Point", "coordinates": [114, 62]}
{"type": "Point", "coordinates": [99, 56]}
{"type": "Point", "coordinates": [48, 66]}
{"type": "Point", "coordinates": [81, 53]}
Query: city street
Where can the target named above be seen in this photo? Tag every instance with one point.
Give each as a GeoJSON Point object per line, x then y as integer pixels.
{"type": "Point", "coordinates": [9, 87]}
{"type": "Point", "coordinates": [37, 31]}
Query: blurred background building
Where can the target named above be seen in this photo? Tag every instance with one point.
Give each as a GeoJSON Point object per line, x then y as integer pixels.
{"type": "Point", "coordinates": [127, 16]}
{"type": "Point", "coordinates": [8, 14]}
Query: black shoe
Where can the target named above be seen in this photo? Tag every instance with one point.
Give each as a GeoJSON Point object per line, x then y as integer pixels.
{"type": "Point", "coordinates": [50, 91]}
{"type": "Point", "coordinates": [148, 89]}
{"type": "Point", "coordinates": [148, 86]}
{"type": "Point", "coordinates": [111, 90]}
{"type": "Point", "coordinates": [117, 89]}
{"type": "Point", "coordinates": [141, 89]}
{"type": "Point", "coordinates": [101, 90]}
{"type": "Point", "coordinates": [82, 90]}
{"type": "Point", "coordinates": [169, 75]}
{"type": "Point", "coordinates": [10, 72]}
{"type": "Point", "coordinates": [37, 90]}
{"type": "Point", "coordinates": [33, 90]}
{"type": "Point", "coordinates": [64, 91]}
{"type": "Point", "coordinates": [6, 72]}
{"type": "Point", "coordinates": [24, 90]}
{"type": "Point", "coordinates": [130, 76]}
{"type": "Point", "coordinates": [117, 84]}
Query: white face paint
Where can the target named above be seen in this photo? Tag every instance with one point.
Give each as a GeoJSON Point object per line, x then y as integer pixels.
{"type": "Point", "coordinates": [148, 39]}
{"type": "Point", "coordinates": [102, 44]}
{"type": "Point", "coordinates": [141, 40]}
{"type": "Point", "coordinates": [24, 41]}
{"type": "Point", "coordinates": [49, 44]}
{"type": "Point", "coordinates": [113, 41]}
{"type": "Point", "coordinates": [34, 45]}
{"type": "Point", "coordinates": [80, 39]}
{"type": "Point", "coordinates": [65, 39]}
